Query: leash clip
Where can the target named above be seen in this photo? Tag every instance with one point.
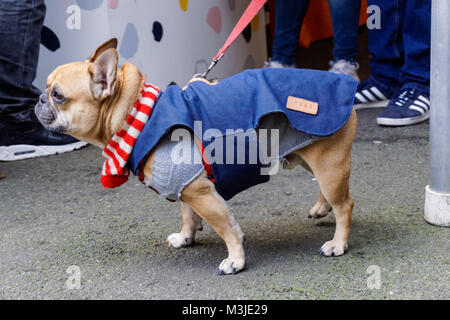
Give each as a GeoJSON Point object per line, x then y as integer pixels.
{"type": "Point", "coordinates": [211, 66]}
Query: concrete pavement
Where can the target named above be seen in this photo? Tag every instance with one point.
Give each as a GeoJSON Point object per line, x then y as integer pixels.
{"type": "Point", "coordinates": [54, 214]}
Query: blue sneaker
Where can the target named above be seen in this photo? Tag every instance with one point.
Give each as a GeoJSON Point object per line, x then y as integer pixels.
{"type": "Point", "coordinates": [410, 107]}
{"type": "Point", "coordinates": [370, 95]}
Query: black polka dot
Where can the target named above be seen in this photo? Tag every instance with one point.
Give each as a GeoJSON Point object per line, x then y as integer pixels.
{"type": "Point", "coordinates": [247, 33]}
{"type": "Point", "coordinates": [157, 31]}
{"type": "Point", "coordinates": [49, 39]}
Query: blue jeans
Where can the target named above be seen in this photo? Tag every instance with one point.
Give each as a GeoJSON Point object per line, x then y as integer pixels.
{"type": "Point", "coordinates": [401, 48]}
{"type": "Point", "coordinates": [289, 16]}
{"type": "Point", "coordinates": [20, 35]}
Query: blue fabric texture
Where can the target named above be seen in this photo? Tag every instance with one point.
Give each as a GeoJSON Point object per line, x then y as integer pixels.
{"type": "Point", "coordinates": [241, 101]}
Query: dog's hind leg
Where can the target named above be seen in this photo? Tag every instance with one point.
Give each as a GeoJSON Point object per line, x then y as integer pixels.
{"type": "Point", "coordinates": [202, 197]}
{"type": "Point", "coordinates": [191, 224]}
{"type": "Point", "coordinates": [330, 161]}
{"type": "Point", "coordinates": [322, 207]}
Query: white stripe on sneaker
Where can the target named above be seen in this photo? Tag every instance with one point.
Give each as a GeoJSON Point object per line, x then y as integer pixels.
{"type": "Point", "coordinates": [378, 93]}
{"type": "Point", "coordinates": [424, 99]}
{"type": "Point", "coordinates": [413, 107]}
{"type": "Point", "coordinates": [369, 95]}
{"type": "Point", "coordinates": [424, 109]}
{"type": "Point", "coordinates": [419, 103]}
{"type": "Point", "coordinates": [361, 98]}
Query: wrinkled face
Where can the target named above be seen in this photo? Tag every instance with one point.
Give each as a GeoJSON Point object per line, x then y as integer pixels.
{"type": "Point", "coordinates": [75, 92]}
{"type": "Point", "coordinates": [68, 104]}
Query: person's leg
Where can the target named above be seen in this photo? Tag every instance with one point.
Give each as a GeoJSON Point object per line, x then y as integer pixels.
{"type": "Point", "coordinates": [417, 44]}
{"type": "Point", "coordinates": [412, 103]}
{"type": "Point", "coordinates": [386, 48]}
{"type": "Point", "coordinates": [386, 43]}
{"type": "Point", "coordinates": [289, 16]}
{"type": "Point", "coordinates": [21, 134]}
{"type": "Point", "coordinates": [20, 34]}
{"type": "Point", "coordinates": [345, 16]}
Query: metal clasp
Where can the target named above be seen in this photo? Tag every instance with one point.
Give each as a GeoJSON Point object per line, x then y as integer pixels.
{"type": "Point", "coordinates": [211, 66]}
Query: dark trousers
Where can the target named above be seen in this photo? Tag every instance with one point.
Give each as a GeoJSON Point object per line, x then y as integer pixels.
{"type": "Point", "coordinates": [401, 48]}
{"type": "Point", "coordinates": [20, 34]}
{"type": "Point", "coordinates": [289, 20]}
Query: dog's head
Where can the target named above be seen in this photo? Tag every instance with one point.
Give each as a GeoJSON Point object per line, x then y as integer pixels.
{"type": "Point", "coordinates": [71, 103]}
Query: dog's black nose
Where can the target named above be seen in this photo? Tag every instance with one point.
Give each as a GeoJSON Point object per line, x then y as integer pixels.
{"type": "Point", "coordinates": [43, 98]}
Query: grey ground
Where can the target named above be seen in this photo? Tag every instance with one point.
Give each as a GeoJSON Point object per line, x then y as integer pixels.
{"type": "Point", "coordinates": [54, 214]}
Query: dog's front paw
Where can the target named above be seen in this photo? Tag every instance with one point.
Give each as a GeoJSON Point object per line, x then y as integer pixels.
{"type": "Point", "coordinates": [320, 210]}
{"type": "Point", "coordinates": [179, 240]}
{"type": "Point", "coordinates": [231, 266]}
{"type": "Point", "coordinates": [333, 248]}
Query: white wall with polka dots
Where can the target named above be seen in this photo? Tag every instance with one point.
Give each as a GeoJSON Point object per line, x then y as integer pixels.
{"type": "Point", "coordinates": [169, 40]}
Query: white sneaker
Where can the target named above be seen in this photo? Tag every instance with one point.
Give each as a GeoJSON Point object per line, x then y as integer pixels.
{"type": "Point", "coordinates": [277, 64]}
{"type": "Point", "coordinates": [344, 67]}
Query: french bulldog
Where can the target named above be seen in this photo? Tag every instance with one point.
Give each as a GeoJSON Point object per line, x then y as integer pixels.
{"type": "Point", "coordinates": [91, 100]}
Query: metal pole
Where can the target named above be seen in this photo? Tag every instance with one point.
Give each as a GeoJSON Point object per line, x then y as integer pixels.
{"type": "Point", "coordinates": [437, 199]}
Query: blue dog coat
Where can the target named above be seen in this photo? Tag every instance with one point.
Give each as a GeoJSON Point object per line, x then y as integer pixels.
{"type": "Point", "coordinates": [241, 102]}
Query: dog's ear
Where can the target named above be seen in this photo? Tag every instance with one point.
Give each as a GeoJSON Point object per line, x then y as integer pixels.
{"type": "Point", "coordinates": [103, 72]}
{"type": "Point", "coordinates": [110, 44]}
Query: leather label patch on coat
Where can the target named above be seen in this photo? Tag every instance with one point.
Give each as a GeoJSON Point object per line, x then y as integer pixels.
{"type": "Point", "coordinates": [302, 105]}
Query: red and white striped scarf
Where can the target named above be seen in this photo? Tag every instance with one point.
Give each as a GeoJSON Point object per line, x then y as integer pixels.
{"type": "Point", "coordinates": [118, 150]}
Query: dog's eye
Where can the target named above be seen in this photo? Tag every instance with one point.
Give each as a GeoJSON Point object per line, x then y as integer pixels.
{"type": "Point", "coordinates": [57, 96]}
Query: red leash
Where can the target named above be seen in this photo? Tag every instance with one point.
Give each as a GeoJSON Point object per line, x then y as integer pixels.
{"type": "Point", "coordinates": [246, 18]}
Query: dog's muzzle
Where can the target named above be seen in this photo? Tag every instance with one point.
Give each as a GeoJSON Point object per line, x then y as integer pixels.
{"type": "Point", "coordinates": [44, 111]}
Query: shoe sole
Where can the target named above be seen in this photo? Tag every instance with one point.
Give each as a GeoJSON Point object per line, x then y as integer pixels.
{"type": "Point", "coordinates": [402, 122]}
{"type": "Point", "coordinates": [22, 152]}
{"type": "Point", "coordinates": [370, 105]}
